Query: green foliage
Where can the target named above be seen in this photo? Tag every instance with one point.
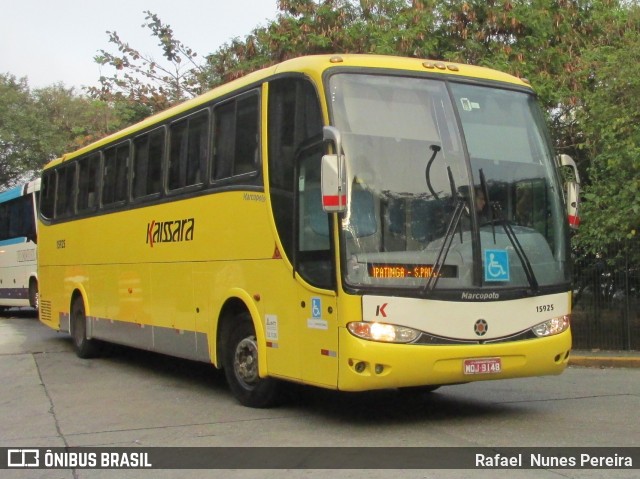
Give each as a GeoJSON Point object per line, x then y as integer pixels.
{"type": "Point", "coordinates": [37, 126]}
{"type": "Point", "coordinates": [610, 119]}
{"type": "Point", "coordinates": [21, 145]}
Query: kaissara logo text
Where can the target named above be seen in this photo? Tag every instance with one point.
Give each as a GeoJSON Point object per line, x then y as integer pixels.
{"type": "Point", "coordinates": [170, 231]}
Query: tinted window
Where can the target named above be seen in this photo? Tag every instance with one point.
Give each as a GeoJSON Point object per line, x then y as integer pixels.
{"type": "Point", "coordinates": [88, 181]}
{"type": "Point", "coordinates": [147, 163]}
{"type": "Point", "coordinates": [65, 191]}
{"type": "Point", "coordinates": [189, 151]}
{"type": "Point", "coordinates": [17, 218]}
{"type": "Point", "coordinates": [236, 138]}
{"type": "Point", "coordinates": [47, 193]}
{"type": "Point", "coordinates": [114, 174]}
{"type": "Point", "coordinates": [295, 150]}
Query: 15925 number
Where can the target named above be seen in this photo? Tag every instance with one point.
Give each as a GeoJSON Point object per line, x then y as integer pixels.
{"type": "Point", "coordinates": [545, 308]}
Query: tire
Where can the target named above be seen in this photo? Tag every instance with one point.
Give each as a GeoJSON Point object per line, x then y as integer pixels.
{"type": "Point", "coordinates": [34, 294]}
{"type": "Point", "coordinates": [241, 367]}
{"type": "Point", "coordinates": [84, 348]}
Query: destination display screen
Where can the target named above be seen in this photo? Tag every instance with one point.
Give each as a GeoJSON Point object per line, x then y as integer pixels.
{"type": "Point", "coordinates": [399, 271]}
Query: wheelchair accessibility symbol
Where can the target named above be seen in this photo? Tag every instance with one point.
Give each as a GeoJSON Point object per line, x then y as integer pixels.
{"type": "Point", "coordinates": [316, 308]}
{"type": "Point", "coordinates": [496, 265]}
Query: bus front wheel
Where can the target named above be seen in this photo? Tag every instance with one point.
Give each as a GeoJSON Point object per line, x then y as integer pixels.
{"type": "Point", "coordinates": [241, 368]}
{"type": "Point", "coordinates": [85, 348]}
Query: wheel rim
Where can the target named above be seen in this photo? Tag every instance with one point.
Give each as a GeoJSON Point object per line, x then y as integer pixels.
{"type": "Point", "coordinates": [245, 362]}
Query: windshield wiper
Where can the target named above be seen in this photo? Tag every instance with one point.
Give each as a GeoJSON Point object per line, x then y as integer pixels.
{"type": "Point", "coordinates": [435, 149]}
{"type": "Point", "coordinates": [498, 216]}
{"type": "Point", "coordinates": [454, 224]}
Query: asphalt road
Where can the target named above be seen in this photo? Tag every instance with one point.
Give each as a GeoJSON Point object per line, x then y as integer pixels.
{"type": "Point", "coordinates": [51, 398]}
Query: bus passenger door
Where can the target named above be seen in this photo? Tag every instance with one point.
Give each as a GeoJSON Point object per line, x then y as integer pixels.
{"type": "Point", "coordinates": [315, 272]}
{"type": "Point", "coordinates": [302, 316]}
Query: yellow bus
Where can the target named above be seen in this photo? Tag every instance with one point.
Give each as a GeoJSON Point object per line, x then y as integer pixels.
{"type": "Point", "coordinates": [350, 222]}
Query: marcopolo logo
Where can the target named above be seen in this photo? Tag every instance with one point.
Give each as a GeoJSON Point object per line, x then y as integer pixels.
{"type": "Point", "coordinates": [170, 231]}
{"type": "Point", "coordinates": [481, 327]}
{"type": "Point", "coordinates": [492, 295]}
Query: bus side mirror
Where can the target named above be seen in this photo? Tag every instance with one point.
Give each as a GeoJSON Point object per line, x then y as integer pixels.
{"type": "Point", "coordinates": [572, 190]}
{"type": "Point", "coordinates": [333, 170]}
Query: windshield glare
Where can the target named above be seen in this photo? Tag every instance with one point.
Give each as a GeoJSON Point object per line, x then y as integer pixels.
{"type": "Point", "coordinates": [435, 207]}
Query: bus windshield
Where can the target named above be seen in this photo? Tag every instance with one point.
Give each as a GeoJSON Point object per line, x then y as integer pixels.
{"type": "Point", "coordinates": [451, 185]}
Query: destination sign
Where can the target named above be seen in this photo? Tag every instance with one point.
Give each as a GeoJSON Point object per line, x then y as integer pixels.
{"type": "Point", "coordinates": [399, 271]}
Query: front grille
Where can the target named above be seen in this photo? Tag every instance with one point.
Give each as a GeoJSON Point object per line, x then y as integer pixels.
{"type": "Point", "coordinates": [426, 338]}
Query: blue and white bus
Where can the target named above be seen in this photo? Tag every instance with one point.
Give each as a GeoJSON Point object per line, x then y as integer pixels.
{"type": "Point", "coordinates": [18, 250]}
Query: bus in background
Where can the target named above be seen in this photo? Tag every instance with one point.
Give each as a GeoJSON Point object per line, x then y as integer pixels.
{"type": "Point", "coordinates": [350, 222]}
{"type": "Point", "coordinates": [18, 250]}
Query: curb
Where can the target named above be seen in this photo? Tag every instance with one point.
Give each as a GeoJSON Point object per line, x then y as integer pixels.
{"type": "Point", "coordinates": [604, 361]}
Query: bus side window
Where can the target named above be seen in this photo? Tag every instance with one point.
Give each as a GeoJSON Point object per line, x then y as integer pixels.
{"type": "Point", "coordinates": [148, 153]}
{"type": "Point", "coordinates": [236, 137]}
{"type": "Point", "coordinates": [88, 176]}
{"type": "Point", "coordinates": [4, 222]}
{"type": "Point", "coordinates": [14, 214]}
{"type": "Point", "coordinates": [198, 149]}
{"type": "Point", "coordinates": [16, 218]}
{"type": "Point", "coordinates": [247, 145]}
{"type": "Point", "coordinates": [189, 151]}
{"type": "Point", "coordinates": [65, 191]}
{"type": "Point", "coordinates": [114, 174]}
{"type": "Point", "coordinates": [47, 194]}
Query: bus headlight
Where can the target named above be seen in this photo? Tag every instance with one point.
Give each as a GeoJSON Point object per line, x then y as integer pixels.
{"type": "Point", "coordinates": [387, 333]}
{"type": "Point", "coordinates": [552, 327]}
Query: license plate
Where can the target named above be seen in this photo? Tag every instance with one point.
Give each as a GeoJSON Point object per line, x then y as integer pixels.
{"type": "Point", "coordinates": [482, 366]}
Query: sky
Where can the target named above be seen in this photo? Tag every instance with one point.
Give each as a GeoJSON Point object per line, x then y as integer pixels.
{"type": "Point", "coordinates": [55, 41]}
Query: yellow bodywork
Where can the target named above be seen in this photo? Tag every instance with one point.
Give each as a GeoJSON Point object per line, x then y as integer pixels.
{"type": "Point", "coordinates": [224, 248]}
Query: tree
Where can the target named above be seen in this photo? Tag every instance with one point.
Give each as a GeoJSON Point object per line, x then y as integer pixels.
{"type": "Point", "coordinates": [37, 126]}
{"type": "Point", "coordinates": [141, 82]}
{"type": "Point", "coordinates": [610, 119]}
{"type": "Point", "coordinates": [22, 150]}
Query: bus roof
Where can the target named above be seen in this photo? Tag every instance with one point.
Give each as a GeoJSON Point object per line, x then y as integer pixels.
{"type": "Point", "coordinates": [20, 190]}
{"type": "Point", "coordinates": [314, 66]}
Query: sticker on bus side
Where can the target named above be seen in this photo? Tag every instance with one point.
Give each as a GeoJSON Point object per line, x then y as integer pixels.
{"type": "Point", "coordinates": [271, 327]}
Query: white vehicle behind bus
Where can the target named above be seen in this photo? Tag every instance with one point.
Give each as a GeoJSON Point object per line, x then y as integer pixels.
{"type": "Point", "coordinates": [18, 246]}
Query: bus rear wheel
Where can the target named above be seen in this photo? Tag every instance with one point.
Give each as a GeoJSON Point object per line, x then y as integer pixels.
{"type": "Point", "coordinates": [34, 295]}
{"type": "Point", "coordinates": [85, 348]}
{"type": "Point", "coordinates": [241, 368]}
